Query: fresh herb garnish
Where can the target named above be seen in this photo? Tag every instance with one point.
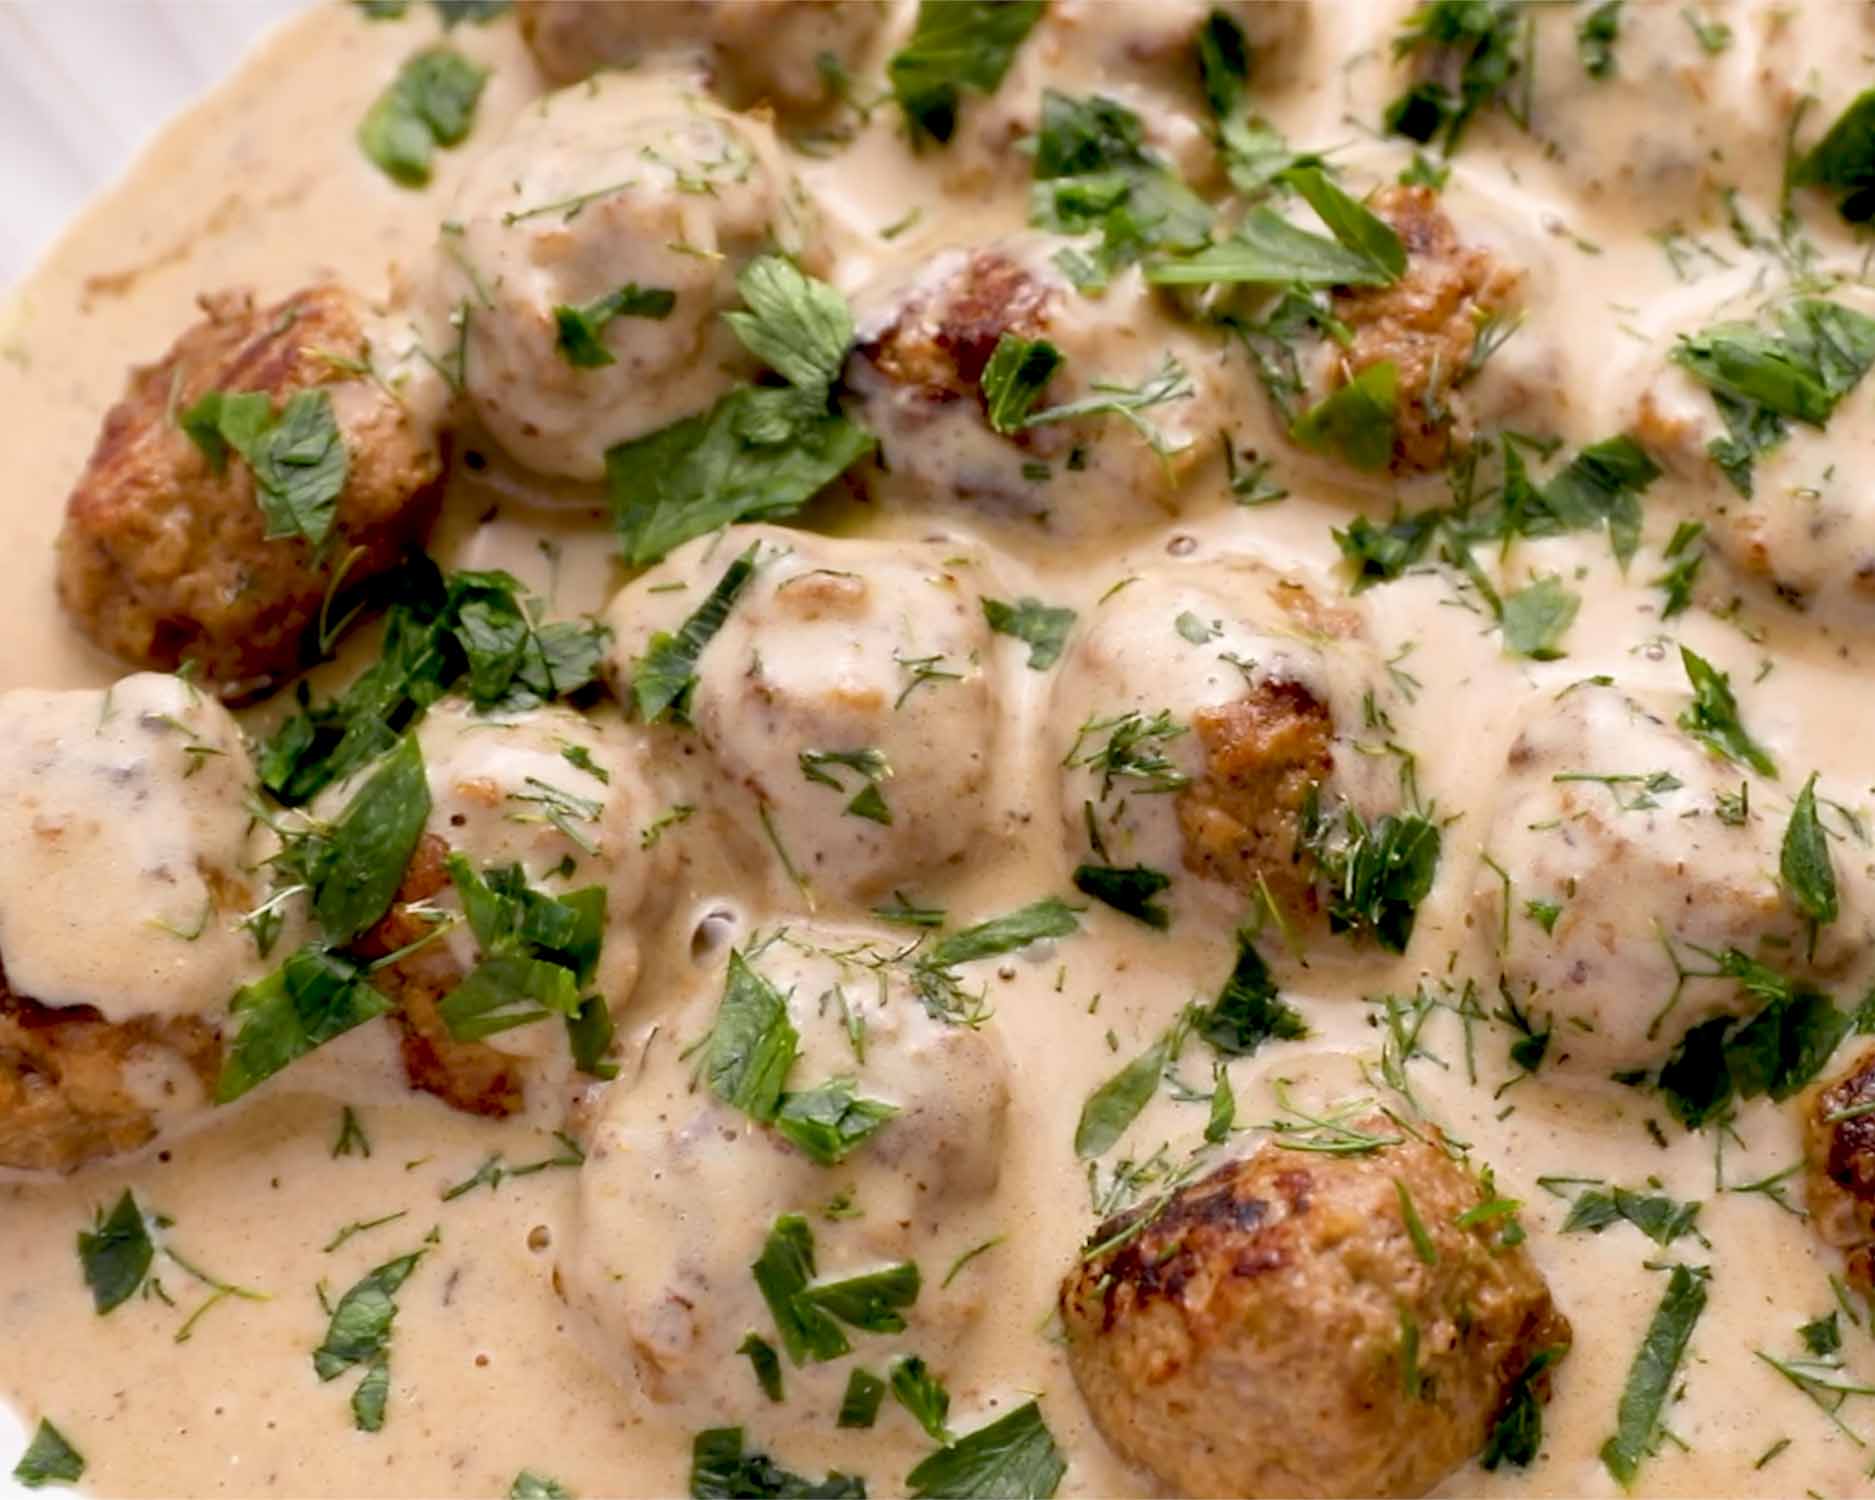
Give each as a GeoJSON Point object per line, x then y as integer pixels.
{"type": "Point", "coordinates": [1660, 1218]}
{"type": "Point", "coordinates": [430, 103]}
{"type": "Point", "coordinates": [1013, 380]}
{"type": "Point", "coordinates": [310, 999]}
{"type": "Point", "coordinates": [1650, 1377]}
{"type": "Point", "coordinates": [1537, 617]}
{"type": "Point", "coordinates": [1112, 1107]}
{"type": "Point", "coordinates": [923, 1395]}
{"type": "Point", "coordinates": [1014, 1458]}
{"type": "Point", "coordinates": [1817, 354]}
{"type": "Point", "coordinates": [1377, 874]}
{"type": "Point", "coordinates": [1355, 421]}
{"type": "Point", "coordinates": [355, 864]}
{"type": "Point", "coordinates": [1487, 43]}
{"type": "Point", "coordinates": [1843, 161]}
{"type": "Point", "coordinates": [956, 45]}
{"type": "Point", "coordinates": [1130, 890]}
{"type": "Point", "coordinates": [1248, 1010]}
{"type": "Point", "coordinates": [752, 1044]}
{"type": "Point", "coordinates": [808, 1313]}
{"type": "Point", "coordinates": [1804, 863]}
{"type": "Point", "coordinates": [720, 1469]}
{"type": "Point", "coordinates": [765, 1362]}
{"type": "Point", "coordinates": [359, 1333]}
{"type": "Point", "coordinates": [1685, 553]}
{"type": "Point", "coordinates": [298, 460]}
{"type": "Point", "coordinates": [531, 1486]}
{"type": "Point", "coordinates": [1134, 751]}
{"type": "Point", "coordinates": [1517, 1434]}
{"type": "Point", "coordinates": [1043, 627]}
{"type": "Point", "coordinates": [1712, 716]}
{"type": "Point", "coordinates": [49, 1459]}
{"type": "Point", "coordinates": [859, 1407]}
{"type": "Point", "coordinates": [831, 1122]}
{"type": "Point", "coordinates": [1267, 250]}
{"type": "Point", "coordinates": [760, 452]}
{"type": "Point", "coordinates": [1596, 35]}
{"type": "Point", "coordinates": [115, 1254]}
{"type": "Point", "coordinates": [869, 764]}
{"type": "Point", "coordinates": [580, 331]}
{"type": "Point", "coordinates": [666, 675]}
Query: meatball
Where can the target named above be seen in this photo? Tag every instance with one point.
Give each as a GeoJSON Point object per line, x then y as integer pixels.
{"type": "Point", "coordinates": [1278, 1326]}
{"type": "Point", "coordinates": [1427, 324]}
{"type": "Point", "coordinates": [1839, 1166]}
{"type": "Point", "coordinates": [505, 792]}
{"type": "Point", "coordinates": [848, 704]}
{"type": "Point", "coordinates": [627, 182]}
{"type": "Point", "coordinates": [752, 51]}
{"type": "Point", "coordinates": [1629, 836]}
{"type": "Point", "coordinates": [1202, 714]}
{"type": "Point", "coordinates": [127, 859]}
{"type": "Point", "coordinates": [680, 1191]}
{"type": "Point", "coordinates": [164, 558]}
{"type": "Point", "coordinates": [916, 381]}
{"type": "Point", "coordinates": [1803, 538]}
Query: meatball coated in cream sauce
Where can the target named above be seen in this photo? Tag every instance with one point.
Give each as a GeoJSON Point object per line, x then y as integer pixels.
{"type": "Point", "coordinates": [849, 710]}
{"type": "Point", "coordinates": [1073, 656]}
{"type": "Point", "coordinates": [636, 188]}
{"type": "Point", "coordinates": [683, 1189]}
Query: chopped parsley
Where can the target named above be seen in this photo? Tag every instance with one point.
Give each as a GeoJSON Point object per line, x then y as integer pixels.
{"type": "Point", "coordinates": [1376, 874]}
{"type": "Point", "coordinates": [1804, 863]}
{"type": "Point", "coordinates": [115, 1254]}
{"type": "Point", "coordinates": [1537, 617]}
{"type": "Point", "coordinates": [923, 1395]}
{"type": "Point", "coordinates": [720, 1469]}
{"type": "Point", "coordinates": [868, 764]}
{"type": "Point", "coordinates": [1657, 1216]}
{"type": "Point", "coordinates": [1685, 553]}
{"type": "Point", "coordinates": [765, 1362]}
{"type": "Point", "coordinates": [1355, 421]}
{"type": "Point", "coordinates": [1248, 1010]}
{"type": "Point", "coordinates": [430, 103]}
{"type": "Point", "coordinates": [1712, 716]}
{"type": "Point", "coordinates": [1112, 1107]}
{"type": "Point", "coordinates": [832, 1121]}
{"type": "Point", "coordinates": [808, 1313]}
{"type": "Point", "coordinates": [1487, 43]}
{"type": "Point", "coordinates": [359, 1333]}
{"type": "Point", "coordinates": [531, 1486]}
{"type": "Point", "coordinates": [298, 460]}
{"type": "Point", "coordinates": [934, 977]}
{"type": "Point", "coordinates": [1014, 1456]}
{"type": "Point", "coordinates": [310, 999]}
{"type": "Point", "coordinates": [580, 331]}
{"type": "Point", "coordinates": [1130, 890]}
{"type": "Point", "coordinates": [664, 678]}
{"type": "Point", "coordinates": [1596, 35]}
{"type": "Point", "coordinates": [1134, 751]}
{"type": "Point", "coordinates": [1013, 380]}
{"type": "Point", "coordinates": [49, 1459]}
{"type": "Point", "coordinates": [1167, 383]}
{"type": "Point", "coordinates": [1843, 161]}
{"type": "Point", "coordinates": [1651, 1376]}
{"type": "Point", "coordinates": [1043, 627]}
{"type": "Point", "coordinates": [761, 452]}
{"type": "Point", "coordinates": [1517, 1434]}
{"type": "Point", "coordinates": [1267, 250]}
{"type": "Point", "coordinates": [859, 1406]}
{"type": "Point", "coordinates": [1761, 380]}
{"type": "Point", "coordinates": [956, 45]}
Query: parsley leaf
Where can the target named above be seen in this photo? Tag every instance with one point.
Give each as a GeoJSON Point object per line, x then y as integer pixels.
{"type": "Point", "coordinates": [1536, 618]}
{"type": "Point", "coordinates": [430, 103]}
{"type": "Point", "coordinates": [1047, 918]}
{"type": "Point", "coordinates": [752, 1044]}
{"type": "Point", "coordinates": [1377, 874]}
{"type": "Point", "coordinates": [49, 1459]}
{"type": "Point", "coordinates": [1843, 161]}
{"type": "Point", "coordinates": [1267, 250]}
{"type": "Point", "coordinates": [580, 331]}
{"type": "Point", "coordinates": [1685, 553]}
{"type": "Point", "coordinates": [766, 1364]}
{"type": "Point", "coordinates": [1650, 1377]}
{"type": "Point", "coordinates": [360, 1328]}
{"type": "Point", "coordinates": [1044, 627]}
{"type": "Point", "coordinates": [1517, 1435]}
{"type": "Point", "coordinates": [1013, 380]}
{"type": "Point", "coordinates": [956, 45]}
{"type": "Point", "coordinates": [808, 1313]}
{"type": "Point", "coordinates": [1596, 35]}
{"type": "Point", "coordinates": [537, 951]}
{"type": "Point", "coordinates": [1712, 716]}
{"type": "Point", "coordinates": [1129, 890]}
{"type": "Point", "coordinates": [1167, 383]}
{"type": "Point", "coordinates": [531, 1486]}
{"type": "Point", "coordinates": [1486, 42]}
{"type": "Point", "coordinates": [1354, 422]}
{"type": "Point", "coordinates": [1012, 1458]}
{"type": "Point", "coordinates": [1817, 354]}
{"type": "Point", "coordinates": [923, 1395]}
{"type": "Point", "coordinates": [665, 676]}
{"type": "Point", "coordinates": [799, 327]}
{"type": "Point", "coordinates": [298, 460]}
{"type": "Point", "coordinates": [1804, 863]}
{"type": "Point", "coordinates": [721, 1470]}
{"type": "Point", "coordinates": [831, 1122]}
{"type": "Point", "coordinates": [1381, 554]}
{"type": "Point", "coordinates": [859, 1407]}
{"type": "Point", "coordinates": [1657, 1216]}
{"type": "Point", "coordinates": [115, 1254]}
{"type": "Point", "coordinates": [1248, 1010]}
{"type": "Point", "coordinates": [310, 999]}
{"type": "Point", "coordinates": [356, 865]}
{"type": "Point", "coordinates": [1112, 1107]}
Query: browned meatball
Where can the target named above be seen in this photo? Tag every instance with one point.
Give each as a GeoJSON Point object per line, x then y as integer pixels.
{"type": "Point", "coordinates": [470, 1076]}
{"type": "Point", "coordinates": [1264, 754]}
{"type": "Point", "coordinates": [755, 51]}
{"type": "Point", "coordinates": [65, 1092]}
{"type": "Point", "coordinates": [1274, 1330]}
{"type": "Point", "coordinates": [1839, 1161]}
{"type": "Point", "coordinates": [1427, 322]}
{"type": "Point", "coordinates": [163, 560]}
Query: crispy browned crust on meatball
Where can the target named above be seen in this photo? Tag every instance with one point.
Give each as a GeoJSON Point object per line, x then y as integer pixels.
{"type": "Point", "coordinates": [469, 1076]}
{"type": "Point", "coordinates": [163, 560]}
{"type": "Point", "coordinates": [1839, 1166]}
{"type": "Point", "coordinates": [64, 1097]}
{"type": "Point", "coordinates": [1249, 1337]}
{"type": "Point", "coordinates": [1427, 322]}
{"type": "Point", "coordinates": [1241, 820]}
{"type": "Point", "coordinates": [941, 340]}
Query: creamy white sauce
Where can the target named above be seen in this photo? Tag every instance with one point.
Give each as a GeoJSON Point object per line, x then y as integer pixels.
{"type": "Point", "coordinates": [505, 1355]}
